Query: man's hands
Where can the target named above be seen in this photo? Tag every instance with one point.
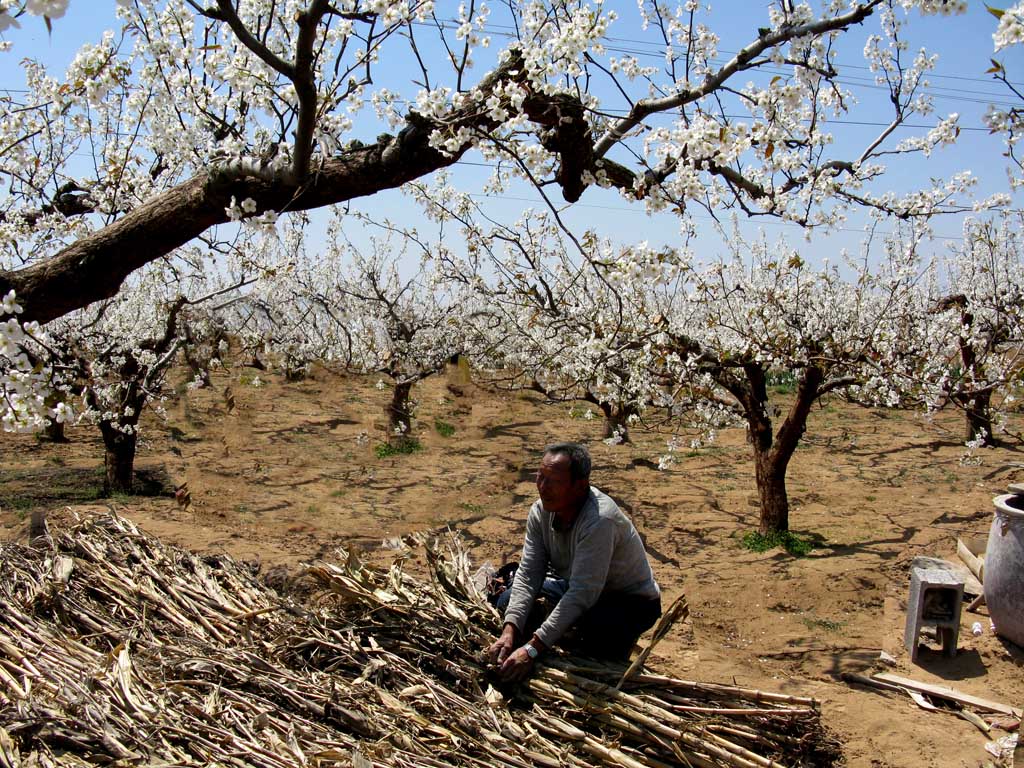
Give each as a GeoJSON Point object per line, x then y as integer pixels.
{"type": "Point", "coordinates": [503, 646]}
{"type": "Point", "coordinates": [514, 663]}
{"type": "Point", "coordinates": [517, 666]}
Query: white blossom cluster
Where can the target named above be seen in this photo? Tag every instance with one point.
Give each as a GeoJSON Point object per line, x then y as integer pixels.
{"type": "Point", "coordinates": [179, 98]}
{"type": "Point", "coordinates": [975, 320]}
{"type": "Point", "coordinates": [26, 381]}
{"type": "Point", "coordinates": [628, 328]}
{"type": "Point", "coordinates": [351, 310]}
{"type": "Point", "coordinates": [1011, 27]}
{"type": "Point", "coordinates": [1008, 121]}
{"type": "Point", "coordinates": [50, 9]}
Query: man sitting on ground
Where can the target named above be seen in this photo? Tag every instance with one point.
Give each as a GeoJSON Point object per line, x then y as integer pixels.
{"type": "Point", "coordinates": [578, 542]}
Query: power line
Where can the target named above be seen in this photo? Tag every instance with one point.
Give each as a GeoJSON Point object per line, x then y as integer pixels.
{"type": "Point", "coordinates": [704, 216]}
{"type": "Point", "coordinates": [656, 50]}
{"type": "Point", "coordinates": [656, 47]}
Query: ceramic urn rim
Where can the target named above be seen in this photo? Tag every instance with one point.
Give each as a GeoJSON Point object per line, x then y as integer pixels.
{"type": "Point", "coordinates": [1002, 506]}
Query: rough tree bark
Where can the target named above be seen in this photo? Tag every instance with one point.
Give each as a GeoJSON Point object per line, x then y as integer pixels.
{"type": "Point", "coordinates": [978, 415]}
{"type": "Point", "coordinates": [977, 404]}
{"type": "Point", "coordinates": [95, 266]}
{"type": "Point", "coordinates": [398, 412]}
{"type": "Point", "coordinates": [616, 419]}
{"type": "Point", "coordinates": [772, 452]}
{"type": "Point", "coordinates": [53, 432]}
{"type": "Point", "coordinates": [118, 458]}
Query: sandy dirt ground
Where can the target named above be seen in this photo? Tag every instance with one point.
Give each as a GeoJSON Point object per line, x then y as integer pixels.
{"type": "Point", "coordinates": [290, 474]}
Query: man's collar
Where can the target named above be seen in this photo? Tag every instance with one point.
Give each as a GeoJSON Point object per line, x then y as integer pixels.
{"type": "Point", "coordinates": [557, 524]}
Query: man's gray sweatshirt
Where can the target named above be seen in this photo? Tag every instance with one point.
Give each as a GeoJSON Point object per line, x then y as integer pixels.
{"type": "Point", "coordinates": [601, 551]}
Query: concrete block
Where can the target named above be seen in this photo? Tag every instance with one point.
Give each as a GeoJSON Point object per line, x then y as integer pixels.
{"type": "Point", "coordinates": [936, 600]}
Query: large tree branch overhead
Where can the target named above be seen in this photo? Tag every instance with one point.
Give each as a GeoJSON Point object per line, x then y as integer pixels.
{"type": "Point", "coordinates": [94, 267]}
{"type": "Point", "coordinates": [563, 122]}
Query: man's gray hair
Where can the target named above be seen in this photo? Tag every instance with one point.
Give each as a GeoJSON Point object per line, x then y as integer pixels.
{"type": "Point", "coordinates": [579, 458]}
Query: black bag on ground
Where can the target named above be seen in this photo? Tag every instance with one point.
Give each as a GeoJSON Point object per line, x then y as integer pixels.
{"type": "Point", "coordinates": [500, 581]}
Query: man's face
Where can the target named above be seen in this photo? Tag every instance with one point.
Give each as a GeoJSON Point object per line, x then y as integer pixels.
{"type": "Point", "coordinates": [560, 495]}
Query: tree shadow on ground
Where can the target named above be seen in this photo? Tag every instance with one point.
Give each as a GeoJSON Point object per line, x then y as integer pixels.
{"type": "Point", "coordinates": [305, 428]}
{"type": "Point", "coordinates": [28, 489]}
{"type": "Point", "coordinates": [874, 455]}
{"type": "Point", "coordinates": [837, 549]}
{"type": "Point", "coordinates": [511, 430]}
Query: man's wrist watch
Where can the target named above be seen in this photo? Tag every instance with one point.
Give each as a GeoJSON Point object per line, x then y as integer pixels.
{"type": "Point", "coordinates": [532, 652]}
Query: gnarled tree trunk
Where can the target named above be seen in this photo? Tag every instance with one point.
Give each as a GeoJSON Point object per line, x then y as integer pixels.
{"type": "Point", "coordinates": [772, 452]}
{"type": "Point", "coordinates": [978, 415]}
{"type": "Point", "coordinates": [616, 419]}
{"type": "Point", "coordinates": [399, 413]}
{"type": "Point", "coordinates": [53, 432]}
{"type": "Point", "coordinates": [770, 472]}
{"type": "Point", "coordinates": [118, 458]}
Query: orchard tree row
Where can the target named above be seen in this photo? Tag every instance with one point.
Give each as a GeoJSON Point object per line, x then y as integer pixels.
{"type": "Point", "coordinates": [159, 199]}
{"type": "Point", "coordinates": [657, 336]}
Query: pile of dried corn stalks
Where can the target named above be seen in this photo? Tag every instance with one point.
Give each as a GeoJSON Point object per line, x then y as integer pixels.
{"type": "Point", "coordinates": [115, 648]}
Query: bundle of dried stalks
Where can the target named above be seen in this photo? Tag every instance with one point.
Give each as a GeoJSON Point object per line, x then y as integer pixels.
{"type": "Point", "coordinates": [115, 648]}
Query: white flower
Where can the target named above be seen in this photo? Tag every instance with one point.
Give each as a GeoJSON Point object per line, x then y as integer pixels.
{"type": "Point", "coordinates": [11, 307]}
{"type": "Point", "coordinates": [63, 413]}
{"type": "Point", "coordinates": [7, 21]}
{"type": "Point", "coordinates": [53, 9]}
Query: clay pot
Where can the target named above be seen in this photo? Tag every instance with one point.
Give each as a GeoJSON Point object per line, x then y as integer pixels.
{"type": "Point", "coordinates": [1004, 568]}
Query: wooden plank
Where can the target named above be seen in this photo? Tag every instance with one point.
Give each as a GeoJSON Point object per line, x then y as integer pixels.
{"type": "Point", "coordinates": [975, 564]}
{"type": "Point", "coordinates": [853, 677]}
{"type": "Point", "coordinates": [975, 604]}
{"type": "Point", "coordinates": [946, 692]}
{"type": "Point", "coordinates": [976, 545]}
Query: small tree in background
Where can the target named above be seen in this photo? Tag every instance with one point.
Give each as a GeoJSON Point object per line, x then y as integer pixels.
{"type": "Point", "coordinates": [976, 328]}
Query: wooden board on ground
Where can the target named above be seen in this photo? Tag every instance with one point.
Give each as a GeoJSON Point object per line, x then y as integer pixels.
{"type": "Point", "coordinates": [969, 556]}
{"type": "Point", "coordinates": [946, 692]}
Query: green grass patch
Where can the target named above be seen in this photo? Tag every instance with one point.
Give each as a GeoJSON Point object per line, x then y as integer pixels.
{"type": "Point", "coordinates": [404, 447]}
{"type": "Point", "coordinates": [756, 541]}
{"type": "Point", "coordinates": [781, 382]}
{"type": "Point", "coordinates": [18, 504]}
{"type": "Point", "coordinates": [178, 435]}
{"type": "Point", "coordinates": [444, 429]}
{"type": "Point", "coordinates": [580, 412]}
{"type": "Point", "coordinates": [476, 509]}
{"type": "Point", "coordinates": [829, 625]}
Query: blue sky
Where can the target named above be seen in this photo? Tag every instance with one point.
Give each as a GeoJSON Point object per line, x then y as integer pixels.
{"type": "Point", "coordinates": [960, 84]}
